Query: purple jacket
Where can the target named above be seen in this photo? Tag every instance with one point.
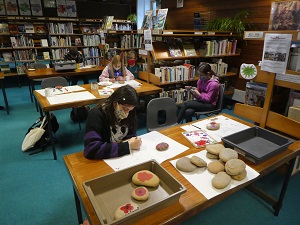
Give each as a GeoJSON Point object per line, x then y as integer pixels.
{"type": "Point", "coordinates": [209, 91]}
{"type": "Point", "coordinates": [97, 138]}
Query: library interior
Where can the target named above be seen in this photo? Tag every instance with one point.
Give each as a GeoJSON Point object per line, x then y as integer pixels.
{"type": "Point", "coordinates": [150, 112]}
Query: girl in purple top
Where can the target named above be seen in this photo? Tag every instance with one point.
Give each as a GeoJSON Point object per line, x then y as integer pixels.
{"type": "Point", "coordinates": [111, 126]}
{"type": "Point", "coordinates": [205, 95]}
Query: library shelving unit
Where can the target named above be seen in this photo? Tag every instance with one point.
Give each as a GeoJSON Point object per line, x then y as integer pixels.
{"type": "Point", "coordinates": [197, 39]}
{"type": "Point", "coordinates": [28, 39]}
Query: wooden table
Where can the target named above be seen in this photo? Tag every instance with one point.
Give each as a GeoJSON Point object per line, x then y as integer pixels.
{"type": "Point", "coordinates": [190, 203]}
{"type": "Point", "coordinates": [144, 89]}
{"type": "Point", "coordinates": [4, 92]}
{"type": "Point", "coordinates": [50, 72]}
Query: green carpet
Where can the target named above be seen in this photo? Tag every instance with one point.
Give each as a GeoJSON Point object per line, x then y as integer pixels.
{"type": "Point", "coordinates": [37, 189]}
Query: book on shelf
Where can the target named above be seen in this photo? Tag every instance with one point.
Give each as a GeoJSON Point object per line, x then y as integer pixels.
{"type": "Point", "coordinates": [7, 56]}
{"type": "Point", "coordinates": [5, 68]}
{"type": "Point", "coordinates": [44, 42]}
{"type": "Point", "coordinates": [108, 21]}
{"type": "Point", "coordinates": [174, 48]}
{"type": "Point", "coordinates": [255, 94]}
{"type": "Point", "coordinates": [147, 21]}
{"type": "Point", "coordinates": [4, 28]}
{"type": "Point", "coordinates": [46, 55]}
{"type": "Point", "coordinates": [21, 28]}
{"type": "Point", "coordinates": [13, 42]}
{"type": "Point", "coordinates": [13, 28]}
{"type": "Point", "coordinates": [40, 29]}
{"type": "Point", "coordinates": [189, 49]}
{"type": "Point", "coordinates": [77, 41]}
{"type": "Point", "coordinates": [161, 19]}
{"type": "Point", "coordinates": [29, 28]}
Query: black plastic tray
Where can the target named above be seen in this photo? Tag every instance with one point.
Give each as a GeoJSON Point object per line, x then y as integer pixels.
{"type": "Point", "coordinates": [257, 144]}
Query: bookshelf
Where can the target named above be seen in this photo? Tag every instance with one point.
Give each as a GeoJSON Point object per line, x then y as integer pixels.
{"type": "Point", "coordinates": [26, 39]}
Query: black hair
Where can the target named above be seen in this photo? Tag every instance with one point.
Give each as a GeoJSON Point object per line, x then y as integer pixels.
{"type": "Point", "coordinates": [205, 68]}
{"type": "Point", "coordinates": [73, 51]}
{"type": "Point", "coordinates": [125, 95]}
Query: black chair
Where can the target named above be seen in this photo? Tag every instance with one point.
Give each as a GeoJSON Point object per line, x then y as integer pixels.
{"type": "Point", "coordinates": [219, 104]}
{"type": "Point", "coordinates": [161, 113]}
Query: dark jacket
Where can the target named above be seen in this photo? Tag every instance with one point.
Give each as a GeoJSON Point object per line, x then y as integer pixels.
{"type": "Point", "coordinates": [97, 138]}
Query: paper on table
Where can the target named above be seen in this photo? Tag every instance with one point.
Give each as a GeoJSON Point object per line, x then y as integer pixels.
{"type": "Point", "coordinates": [148, 151]}
{"type": "Point", "coordinates": [64, 90]}
{"type": "Point", "coordinates": [132, 83]}
{"type": "Point", "coordinates": [71, 97]}
{"type": "Point", "coordinates": [227, 127]}
{"type": "Point", "coordinates": [201, 177]}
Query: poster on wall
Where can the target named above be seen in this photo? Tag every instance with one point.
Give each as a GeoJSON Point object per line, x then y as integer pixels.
{"type": "Point", "coordinates": [71, 8]}
{"type": "Point", "coordinates": [276, 52]}
{"type": "Point", "coordinates": [2, 8]}
{"type": "Point", "coordinates": [285, 15]}
{"type": "Point", "coordinates": [11, 7]}
{"type": "Point", "coordinates": [36, 7]}
{"type": "Point", "coordinates": [24, 7]}
{"type": "Point", "coordinates": [179, 3]}
{"type": "Point", "coordinates": [61, 8]}
{"type": "Point", "coordinates": [49, 4]}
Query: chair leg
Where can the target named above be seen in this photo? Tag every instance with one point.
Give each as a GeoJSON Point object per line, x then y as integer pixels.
{"type": "Point", "coordinates": [76, 112]}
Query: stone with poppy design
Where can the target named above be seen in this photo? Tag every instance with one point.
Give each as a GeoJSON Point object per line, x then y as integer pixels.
{"type": "Point", "coordinates": [213, 126]}
{"type": "Point", "coordinates": [125, 210]}
{"type": "Point", "coordinates": [140, 194]}
{"type": "Point", "coordinates": [162, 146]}
{"type": "Point", "coordinates": [145, 178]}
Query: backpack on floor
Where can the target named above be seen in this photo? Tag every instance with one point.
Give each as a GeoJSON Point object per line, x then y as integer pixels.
{"type": "Point", "coordinates": [37, 135]}
{"type": "Point", "coordinates": [79, 114]}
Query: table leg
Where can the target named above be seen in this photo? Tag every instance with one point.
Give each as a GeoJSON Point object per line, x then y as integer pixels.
{"type": "Point", "coordinates": [51, 134]}
{"type": "Point", "coordinates": [276, 203]}
{"type": "Point", "coordinates": [4, 96]}
{"type": "Point", "coordinates": [288, 175]}
{"type": "Point", "coordinates": [78, 207]}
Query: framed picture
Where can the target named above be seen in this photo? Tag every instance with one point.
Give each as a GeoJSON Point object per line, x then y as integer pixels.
{"type": "Point", "coordinates": [2, 8]}
{"type": "Point", "coordinates": [36, 7]}
{"type": "Point", "coordinates": [49, 4]}
{"type": "Point", "coordinates": [24, 7]}
{"type": "Point", "coordinates": [285, 15]}
{"type": "Point", "coordinates": [11, 7]}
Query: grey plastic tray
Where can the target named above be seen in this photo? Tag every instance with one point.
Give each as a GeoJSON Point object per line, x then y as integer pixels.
{"type": "Point", "coordinates": [109, 192]}
{"type": "Point", "coordinates": [257, 144]}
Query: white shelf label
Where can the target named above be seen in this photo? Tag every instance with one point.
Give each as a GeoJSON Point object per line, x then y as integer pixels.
{"type": "Point", "coordinates": [288, 77]}
{"type": "Point", "coordinates": [253, 34]}
{"type": "Point", "coordinates": [139, 31]}
{"type": "Point", "coordinates": [198, 32]}
{"type": "Point", "coordinates": [143, 52]}
{"type": "Point", "coordinates": [211, 33]}
{"type": "Point", "coordinates": [167, 32]}
{"type": "Point", "coordinates": [155, 31]}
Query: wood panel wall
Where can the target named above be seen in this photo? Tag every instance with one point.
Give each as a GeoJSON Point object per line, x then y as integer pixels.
{"type": "Point", "coordinates": [182, 18]}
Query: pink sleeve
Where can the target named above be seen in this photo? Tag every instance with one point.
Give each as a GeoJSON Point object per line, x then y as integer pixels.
{"type": "Point", "coordinates": [128, 73]}
{"type": "Point", "coordinates": [104, 74]}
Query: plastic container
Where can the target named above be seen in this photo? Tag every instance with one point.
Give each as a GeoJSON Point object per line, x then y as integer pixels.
{"type": "Point", "coordinates": [257, 144]}
{"type": "Point", "coordinates": [109, 192]}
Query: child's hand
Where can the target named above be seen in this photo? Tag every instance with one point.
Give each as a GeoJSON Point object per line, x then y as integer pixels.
{"type": "Point", "coordinates": [195, 93]}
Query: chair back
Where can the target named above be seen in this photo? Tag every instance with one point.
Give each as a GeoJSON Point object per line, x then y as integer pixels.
{"type": "Point", "coordinates": [38, 66]}
{"type": "Point", "coordinates": [54, 81]}
{"type": "Point", "coordinates": [161, 107]}
{"type": "Point", "coordinates": [219, 104]}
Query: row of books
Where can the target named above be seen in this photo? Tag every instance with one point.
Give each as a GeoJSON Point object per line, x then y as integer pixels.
{"type": "Point", "coordinates": [221, 47]}
{"type": "Point", "coordinates": [132, 41]}
{"type": "Point", "coordinates": [93, 61]}
{"type": "Point", "coordinates": [91, 52]}
{"type": "Point", "coordinates": [220, 68]}
{"type": "Point", "coordinates": [58, 54]}
{"type": "Point", "coordinates": [178, 95]}
{"type": "Point", "coordinates": [175, 73]}
{"type": "Point", "coordinates": [60, 28]}
{"type": "Point", "coordinates": [22, 55]}
{"type": "Point", "coordinates": [91, 40]}
{"type": "Point", "coordinates": [21, 41]}
{"type": "Point", "coordinates": [61, 42]}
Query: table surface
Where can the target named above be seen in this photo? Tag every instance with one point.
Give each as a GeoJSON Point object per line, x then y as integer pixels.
{"type": "Point", "coordinates": [190, 203]}
{"type": "Point", "coordinates": [144, 89]}
{"type": "Point", "coordinates": [50, 72]}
